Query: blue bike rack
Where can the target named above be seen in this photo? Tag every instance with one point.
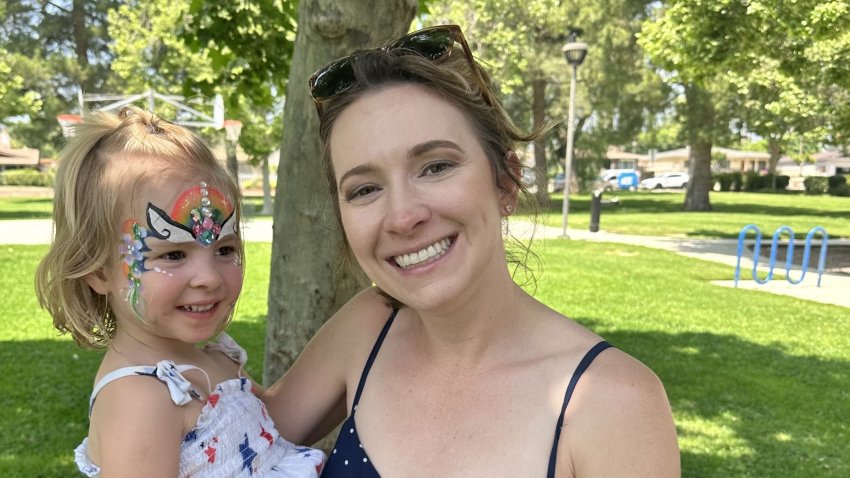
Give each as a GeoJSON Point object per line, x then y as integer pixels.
{"type": "Point", "coordinates": [789, 255]}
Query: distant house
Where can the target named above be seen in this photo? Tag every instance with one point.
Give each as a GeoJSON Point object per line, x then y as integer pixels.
{"type": "Point", "coordinates": [826, 163]}
{"type": "Point", "coordinates": [14, 158]}
{"type": "Point", "coordinates": [623, 159]}
{"type": "Point", "coordinates": [677, 160]}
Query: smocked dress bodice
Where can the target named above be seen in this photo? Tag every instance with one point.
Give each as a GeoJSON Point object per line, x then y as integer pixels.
{"type": "Point", "coordinates": [234, 435]}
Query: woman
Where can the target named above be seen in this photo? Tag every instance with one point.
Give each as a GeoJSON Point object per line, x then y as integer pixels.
{"type": "Point", "coordinates": [448, 366]}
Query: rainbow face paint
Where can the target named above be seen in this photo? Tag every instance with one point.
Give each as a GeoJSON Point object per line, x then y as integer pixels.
{"type": "Point", "coordinates": [201, 214]}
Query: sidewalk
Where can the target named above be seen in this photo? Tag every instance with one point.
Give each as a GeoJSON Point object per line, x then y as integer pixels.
{"type": "Point", "coordinates": [834, 289]}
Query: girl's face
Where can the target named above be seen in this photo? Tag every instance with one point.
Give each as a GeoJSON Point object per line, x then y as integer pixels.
{"type": "Point", "coordinates": [176, 262]}
{"type": "Point", "coordinates": [418, 201]}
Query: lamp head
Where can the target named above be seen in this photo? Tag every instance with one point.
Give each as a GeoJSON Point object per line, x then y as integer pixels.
{"type": "Point", "coordinates": [574, 51]}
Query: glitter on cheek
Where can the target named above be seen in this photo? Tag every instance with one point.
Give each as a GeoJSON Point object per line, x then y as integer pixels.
{"type": "Point", "coordinates": [162, 271]}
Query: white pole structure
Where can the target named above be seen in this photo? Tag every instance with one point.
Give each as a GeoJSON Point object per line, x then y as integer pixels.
{"type": "Point", "coordinates": [574, 52]}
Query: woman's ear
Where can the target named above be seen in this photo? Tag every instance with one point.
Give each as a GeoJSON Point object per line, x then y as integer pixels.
{"type": "Point", "coordinates": [97, 281]}
{"type": "Point", "coordinates": [508, 183]}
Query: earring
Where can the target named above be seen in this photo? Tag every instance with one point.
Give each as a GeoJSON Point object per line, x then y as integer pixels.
{"type": "Point", "coordinates": [509, 209]}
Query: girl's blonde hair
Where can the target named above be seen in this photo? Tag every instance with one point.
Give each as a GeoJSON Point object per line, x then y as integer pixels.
{"type": "Point", "coordinates": [89, 200]}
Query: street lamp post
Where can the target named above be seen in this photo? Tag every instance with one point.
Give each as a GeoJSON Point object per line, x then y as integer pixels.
{"type": "Point", "coordinates": [574, 52]}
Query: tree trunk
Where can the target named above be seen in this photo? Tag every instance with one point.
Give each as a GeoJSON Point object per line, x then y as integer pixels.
{"type": "Point", "coordinates": [306, 285]}
{"type": "Point", "coordinates": [538, 110]}
{"type": "Point", "coordinates": [774, 148]}
{"type": "Point", "coordinates": [232, 164]}
{"type": "Point", "coordinates": [700, 125]}
{"type": "Point", "coordinates": [267, 192]}
{"type": "Point", "coordinates": [81, 41]}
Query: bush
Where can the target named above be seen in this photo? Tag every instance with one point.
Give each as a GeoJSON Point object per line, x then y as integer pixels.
{"type": "Point", "coordinates": [816, 185]}
{"type": "Point", "coordinates": [26, 177]}
{"type": "Point", "coordinates": [842, 190]}
{"type": "Point", "coordinates": [782, 182]}
{"type": "Point", "coordinates": [737, 181]}
{"type": "Point", "coordinates": [835, 181]}
{"type": "Point", "coordinates": [724, 179]}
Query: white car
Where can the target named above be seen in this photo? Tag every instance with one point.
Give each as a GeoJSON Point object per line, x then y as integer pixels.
{"type": "Point", "coordinates": [666, 181]}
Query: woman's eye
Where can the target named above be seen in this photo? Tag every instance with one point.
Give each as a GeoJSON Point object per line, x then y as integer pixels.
{"type": "Point", "coordinates": [361, 192]}
{"type": "Point", "coordinates": [436, 168]}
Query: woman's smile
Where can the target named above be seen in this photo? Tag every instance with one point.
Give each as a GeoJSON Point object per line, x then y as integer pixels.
{"type": "Point", "coordinates": [427, 254]}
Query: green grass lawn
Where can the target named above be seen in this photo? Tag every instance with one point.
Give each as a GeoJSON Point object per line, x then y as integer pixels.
{"type": "Point", "coordinates": [759, 383]}
{"type": "Point", "coordinates": [660, 214]}
{"type": "Point", "coordinates": [25, 208]}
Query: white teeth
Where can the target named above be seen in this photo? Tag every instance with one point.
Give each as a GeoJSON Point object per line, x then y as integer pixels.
{"type": "Point", "coordinates": [431, 252]}
{"type": "Point", "coordinates": [199, 308]}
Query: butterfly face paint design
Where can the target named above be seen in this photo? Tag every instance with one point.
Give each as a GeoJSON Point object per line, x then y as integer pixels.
{"type": "Point", "coordinates": [132, 253]}
{"type": "Point", "coordinates": [201, 214]}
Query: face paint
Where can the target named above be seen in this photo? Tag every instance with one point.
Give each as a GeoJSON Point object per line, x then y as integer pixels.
{"type": "Point", "coordinates": [132, 252]}
{"type": "Point", "coordinates": [201, 214]}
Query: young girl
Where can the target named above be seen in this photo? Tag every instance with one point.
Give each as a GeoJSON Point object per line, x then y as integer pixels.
{"type": "Point", "coordinates": [147, 262]}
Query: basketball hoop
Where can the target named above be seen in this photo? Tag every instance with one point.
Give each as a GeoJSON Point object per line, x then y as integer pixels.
{"type": "Point", "coordinates": [232, 129]}
{"type": "Point", "coordinates": [67, 122]}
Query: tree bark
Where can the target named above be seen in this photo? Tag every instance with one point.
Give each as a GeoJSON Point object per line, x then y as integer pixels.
{"type": "Point", "coordinates": [305, 285]}
{"type": "Point", "coordinates": [774, 148]}
{"type": "Point", "coordinates": [700, 125]}
{"type": "Point", "coordinates": [538, 111]}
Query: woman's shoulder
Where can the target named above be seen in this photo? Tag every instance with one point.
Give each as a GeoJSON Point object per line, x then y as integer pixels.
{"type": "Point", "coordinates": [620, 409]}
{"type": "Point", "coordinates": [363, 316]}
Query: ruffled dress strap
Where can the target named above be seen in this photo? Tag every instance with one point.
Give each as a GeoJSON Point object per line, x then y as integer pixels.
{"type": "Point", "coordinates": [166, 371]}
{"type": "Point", "coordinates": [226, 345]}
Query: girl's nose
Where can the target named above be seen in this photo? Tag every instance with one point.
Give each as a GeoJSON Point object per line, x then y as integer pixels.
{"type": "Point", "coordinates": [208, 271]}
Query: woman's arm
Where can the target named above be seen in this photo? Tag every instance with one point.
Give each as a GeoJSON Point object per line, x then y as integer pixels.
{"type": "Point", "coordinates": [621, 425]}
{"type": "Point", "coordinates": [311, 398]}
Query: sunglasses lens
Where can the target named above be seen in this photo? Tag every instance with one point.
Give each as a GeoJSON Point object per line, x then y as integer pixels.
{"type": "Point", "coordinates": [431, 44]}
{"type": "Point", "coordinates": [333, 79]}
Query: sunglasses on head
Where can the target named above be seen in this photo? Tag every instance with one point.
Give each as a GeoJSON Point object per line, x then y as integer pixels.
{"type": "Point", "coordinates": [433, 43]}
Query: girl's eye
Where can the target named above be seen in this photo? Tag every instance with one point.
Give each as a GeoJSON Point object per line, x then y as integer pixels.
{"type": "Point", "coordinates": [434, 169]}
{"type": "Point", "coordinates": [226, 251]}
{"type": "Point", "coordinates": [174, 255]}
{"type": "Point", "coordinates": [361, 192]}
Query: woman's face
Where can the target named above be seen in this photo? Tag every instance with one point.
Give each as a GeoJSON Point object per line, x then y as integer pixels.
{"type": "Point", "coordinates": [418, 201]}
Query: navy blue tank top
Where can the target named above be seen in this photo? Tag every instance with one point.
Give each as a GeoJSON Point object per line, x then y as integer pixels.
{"type": "Point", "coordinates": [349, 459]}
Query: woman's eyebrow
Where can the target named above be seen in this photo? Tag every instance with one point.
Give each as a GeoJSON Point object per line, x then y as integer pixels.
{"type": "Point", "coordinates": [427, 146]}
{"type": "Point", "coordinates": [357, 170]}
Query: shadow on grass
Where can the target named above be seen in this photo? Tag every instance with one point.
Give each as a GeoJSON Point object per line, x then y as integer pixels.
{"type": "Point", "coordinates": [45, 391]}
{"type": "Point", "coordinates": [745, 409]}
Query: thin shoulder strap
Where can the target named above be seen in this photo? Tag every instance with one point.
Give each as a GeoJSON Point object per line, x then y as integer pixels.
{"type": "Point", "coordinates": [149, 370]}
{"type": "Point", "coordinates": [372, 356]}
{"type": "Point", "coordinates": [582, 366]}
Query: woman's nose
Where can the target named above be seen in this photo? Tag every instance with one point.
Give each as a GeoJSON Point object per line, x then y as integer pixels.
{"type": "Point", "coordinates": [405, 211]}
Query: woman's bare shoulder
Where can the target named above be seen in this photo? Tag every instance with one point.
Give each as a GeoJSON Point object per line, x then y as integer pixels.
{"type": "Point", "coordinates": [361, 318]}
{"type": "Point", "coordinates": [619, 421]}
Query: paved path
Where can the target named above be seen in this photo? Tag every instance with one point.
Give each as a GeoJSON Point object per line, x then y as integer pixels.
{"type": "Point", "coordinates": [834, 288]}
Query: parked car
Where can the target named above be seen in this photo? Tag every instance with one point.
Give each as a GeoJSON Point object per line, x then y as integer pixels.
{"type": "Point", "coordinates": [557, 184]}
{"type": "Point", "coordinates": [666, 181]}
{"type": "Point", "coordinates": [611, 179]}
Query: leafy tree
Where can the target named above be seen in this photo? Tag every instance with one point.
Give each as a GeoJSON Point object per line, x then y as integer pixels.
{"type": "Point", "coordinates": [703, 43]}
{"type": "Point", "coordinates": [250, 45]}
{"type": "Point", "coordinates": [55, 48]}
{"type": "Point", "coordinates": [521, 43]}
